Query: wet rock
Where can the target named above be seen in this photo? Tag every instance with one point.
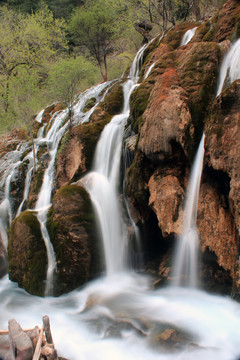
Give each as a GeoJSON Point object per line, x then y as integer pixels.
{"type": "Point", "coordinates": [27, 253]}
{"type": "Point", "coordinates": [72, 231]}
{"type": "Point", "coordinates": [216, 229]}
{"type": "Point", "coordinates": [166, 199]}
{"type": "Point", "coordinates": [166, 118]}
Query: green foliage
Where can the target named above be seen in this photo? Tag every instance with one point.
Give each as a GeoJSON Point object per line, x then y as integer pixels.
{"type": "Point", "coordinates": [65, 79]}
{"type": "Point", "coordinates": [93, 27]}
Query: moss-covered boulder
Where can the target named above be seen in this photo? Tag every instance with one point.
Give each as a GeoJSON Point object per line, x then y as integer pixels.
{"type": "Point", "coordinates": [197, 68]}
{"type": "Point", "coordinates": [27, 253]}
{"type": "Point", "coordinates": [73, 234]}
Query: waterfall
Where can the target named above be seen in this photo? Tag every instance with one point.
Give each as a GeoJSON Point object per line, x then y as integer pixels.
{"type": "Point", "coordinates": [188, 36]}
{"type": "Point", "coordinates": [186, 255]}
{"type": "Point", "coordinates": [230, 67]}
{"type": "Point", "coordinates": [5, 206]}
{"type": "Point", "coordinates": [102, 182]}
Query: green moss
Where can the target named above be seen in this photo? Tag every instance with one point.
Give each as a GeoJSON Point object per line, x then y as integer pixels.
{"type": "Point", "coordinates": [138, 104]}
{"type": "Point", "coordinates": [89, 104]}
{"type": "Point", "coordinates": [203, 30]}
{"type": "Point", "coordinates": [236, 33]}
{"type": "Point", "coordinates": [89, 134]}
{"type": "Point", "coordinates": [137, 177]}
{"type": "Point", "coordinates": [27, 253]}
{"type": "Point", "coordinates": [71, 213]}
{"type": "Point", "coordinates": [113, 101]}
{"type": "Point", "coordinates": [64, 141]}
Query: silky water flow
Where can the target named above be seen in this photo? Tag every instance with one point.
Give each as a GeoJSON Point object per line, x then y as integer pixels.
{"type": "Point", "coordinates": [120, 315]}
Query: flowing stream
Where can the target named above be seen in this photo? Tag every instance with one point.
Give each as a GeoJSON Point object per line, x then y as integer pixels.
{"type": "Point", "coordinates": [186, 255]}
{"type": "Point", "coordinates": [187, 37]}
{"type": "Point", "coordinates": [102, 183]}
{"type": "Point", "coordinates": [230, 67]}
{"type": "Point", "coordinates": [120, 316]}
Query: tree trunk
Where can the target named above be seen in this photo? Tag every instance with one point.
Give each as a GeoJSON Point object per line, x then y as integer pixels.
{"type": "Point", "coordinates": [196, 10]}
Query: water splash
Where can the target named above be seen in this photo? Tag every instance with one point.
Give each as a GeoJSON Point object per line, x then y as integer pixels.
{"type": "Point", "coordinates": [186, 255]}
{"type": "Point", "coordinates": [187, 37]}
{"type": "Point", "coordinates": [230, 67]}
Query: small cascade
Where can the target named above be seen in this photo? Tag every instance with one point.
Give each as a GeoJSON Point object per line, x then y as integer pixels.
{"type": "Point", "coordinates": [96, 92]}
{"type": "Point", "coordinates": [230, 67]}
{"type": "Point", "coordinates": [29, 157]}
{"type": "Point", "coordinates": [186, 255]}
{"type": "Point", "coordinates": [149, 70]}
{"type": "Point", "coordinates": [53, 138]}
{"type": "Point", "coordinates": [102, 184]}
{"type": "Point", "coordinates": [5, 206]}
{"type": "Point", "coordinates": [188, 36]}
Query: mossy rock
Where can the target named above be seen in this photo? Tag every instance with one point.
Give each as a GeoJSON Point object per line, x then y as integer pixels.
{"type": "Point", "coordinates": [72, 230]}
{"type": "Point", "coordinates": [88, 134]}
{"type": "Point", "coordinates": [89, 104]}
{"type": "Point", "coordinates": [224, 106]}
{"type": "Point", "coordinates": [113, 101]}
{"type": "Point", "coordinates": [198, 74]}
{"type": "Point", "coordinates": [138, 104]}
{"type": "Point", "coordinates": [27, 253]}
{"type": "Point", "coordinates": [18, 184]}
{"type": "Point", "coordinates": [138, 175]}
{"type": "Point", "coordinates": [35, 187]}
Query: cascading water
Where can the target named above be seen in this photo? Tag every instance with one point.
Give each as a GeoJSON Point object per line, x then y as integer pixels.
{"type": "Point", "coordinates": [186, 254]}
{"type": "Point", "coordinates": [187, 37]}
{"type": "Point", "coordinates": [53, 138]}
{"type": "Point", "coordinates": [230, 67]}
{"type": "Point", "coordinates": [102, 183]}
{"type": "Point", "coordinates": [120, 316]}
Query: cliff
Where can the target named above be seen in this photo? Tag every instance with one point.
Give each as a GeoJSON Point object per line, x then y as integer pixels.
{"type": "Point", "coordinates": [173, 105]}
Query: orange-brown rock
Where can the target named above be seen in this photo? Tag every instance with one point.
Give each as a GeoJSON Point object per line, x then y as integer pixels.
{"type": "Point", "coordinates": [222, 142]}
{"type": "Point", "coordinates": [217, 229]}
{"type": "Point", "coordinates": [166, 200]}
{"type": "Point", "coordinates": [166, 118]}
{"type": "Point", "coordinates": [71, 160]}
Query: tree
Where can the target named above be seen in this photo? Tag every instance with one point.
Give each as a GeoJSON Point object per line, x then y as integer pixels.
{"type": "Point", "coordinates": [25, 99]}
{"type": "Point", "coordinates": [65, 80]}
{"type": "Point", "coordinates": [94, 26]}
{"type": "Point", "coordinates": [26, 41]}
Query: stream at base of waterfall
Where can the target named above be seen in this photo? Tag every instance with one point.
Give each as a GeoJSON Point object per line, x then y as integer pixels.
{"type": "Point", "coordinates": [120, 315]}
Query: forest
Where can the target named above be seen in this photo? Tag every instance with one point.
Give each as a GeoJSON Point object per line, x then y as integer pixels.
{"type": "Point", "coordinates": [50, 50]}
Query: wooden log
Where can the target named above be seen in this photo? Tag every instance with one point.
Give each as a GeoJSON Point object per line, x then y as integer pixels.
{"type": "Point", "coordinates": [47, 330]}
{"type": "Point", "coordinates": [37, 351]}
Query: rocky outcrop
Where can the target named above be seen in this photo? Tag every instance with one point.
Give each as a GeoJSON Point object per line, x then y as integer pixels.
{"type": "Point", "coordinates": [72, 231]}
{"type": "Point", "coordinates": [27, 253]}
{"type": "Point", "coordinates": [166, 200]}
{"type": "Point", "coordinates": [77, 148]}
{"type": "Point", "coordinates": [178, 105]}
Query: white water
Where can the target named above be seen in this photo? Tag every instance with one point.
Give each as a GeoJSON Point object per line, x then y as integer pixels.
{"type": "Point", "coordinates": [149, 70]}
{"type": "Point", "coordinates": [5, 206]}
{"type": "Point", "coordinates": [102, 183]}
{"type": "Point", "coordinates": [187, 37]}
{"type": "Point", "coordinates": [186, 254]}
{"type": "Point", "coordinates": [84, 331]}
{"type": "Point", "coordinates": [230, 67]}
{"type": "Point", "coordinates": [84, 321]}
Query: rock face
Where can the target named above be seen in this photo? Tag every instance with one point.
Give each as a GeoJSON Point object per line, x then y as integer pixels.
{"type": "Point", "coordinates": [72, 231]}
{"type": "Point", "coordinates": [27, 253]}
{"type": "Point", "coordinates": [178, 105]}
{"type": "Point", "coordinates": [173, 105]}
